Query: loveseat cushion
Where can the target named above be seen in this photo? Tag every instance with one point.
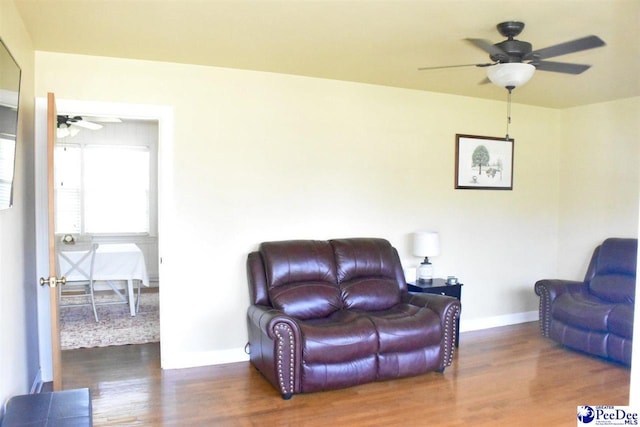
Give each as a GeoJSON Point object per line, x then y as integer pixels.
{"type": "Point", "coordinates": [589, 341]}
{"type": "Point", "coordinates": [405, 328]}
{"type": "Point", "coordinates": [409, 339]}
{"type": "Point", "coordinates": [616, 288]}
{"type": "Point", "coordinates": [370, 293]}
{"type": "Point", "coordinates": [301, 277]}
{"type": "Point", "coordinates": [621, 320]}
{"type": "Point", "coordinates": [307, 300]}
{"type": "Point", "coordinates": [366, 272]}
{"type": "Point", "coordinates": [582, 310]}
{"type": "Point", "coordinates": [338, 351]}
{"type": "Point", "coordinates": [340, 337]}
{"type": "Point", "coordinates": [297, 261]}
{"type": "Point", "coordinates": [617, 256]}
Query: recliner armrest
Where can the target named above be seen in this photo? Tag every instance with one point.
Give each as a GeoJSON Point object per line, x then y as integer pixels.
{"type": "Point", "coordinates": [548, 290]}
{"type": "Point", "coordinates": [438, 303]}
{"type": "Point", "coordinates": [448, 309]}
{"type": "Point", "coordinates": [265, 318]}
{"type": "Point", "coordinates": [557, 287]}
{"type": "Point", "coordinates": [276, 347]}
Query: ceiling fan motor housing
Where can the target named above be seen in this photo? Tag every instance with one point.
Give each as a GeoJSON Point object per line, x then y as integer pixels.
{"type": "Point", "coordinates": [68, 120]}
{"type": "Point", "coordinates": [516, 51]}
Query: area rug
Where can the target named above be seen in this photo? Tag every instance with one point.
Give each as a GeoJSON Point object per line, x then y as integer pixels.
{"type": "Point", "coordinates": [79, 329]}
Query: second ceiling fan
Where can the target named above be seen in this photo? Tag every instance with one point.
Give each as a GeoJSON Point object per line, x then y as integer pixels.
{"type": "Point", "coordinates": [514, 61]}
{"type": "Point", "coordinates": [70, 125]}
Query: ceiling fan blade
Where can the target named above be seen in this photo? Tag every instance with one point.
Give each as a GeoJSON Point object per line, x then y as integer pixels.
{"type": "Point", "coordinates": [102, 119]}
{"type": "Point", "coordinates": [589, 42]}
{"type": "Point", "coordinates": [488, 47]}
{"type": "Point", "coordinates": [488, 64]}
{"type": "Point", "coordinates": [87, 125]}
{"type": "Point", "coordinates": [561, 67]}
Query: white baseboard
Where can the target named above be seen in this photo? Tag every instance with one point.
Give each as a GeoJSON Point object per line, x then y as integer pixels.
{"type": "Point", "coordinates": [203, 358]}
{"type": "Point", "coordinates": [496, 321]}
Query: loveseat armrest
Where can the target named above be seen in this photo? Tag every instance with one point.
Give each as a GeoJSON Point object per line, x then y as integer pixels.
{"type": "Point", "coordinates": [548, 290]}
{"type": "Point", "coordinates": [275, 347]}
{"type": "Point", "coordinates": [448, 310]}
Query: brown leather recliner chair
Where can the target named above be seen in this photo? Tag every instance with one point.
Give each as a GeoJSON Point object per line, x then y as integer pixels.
{"type": "Point", "coordinates": [594, 316]}
{"type": "Point", "coordinates": [333, 314]}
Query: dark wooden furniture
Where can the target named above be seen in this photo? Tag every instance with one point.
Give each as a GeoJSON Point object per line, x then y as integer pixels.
{"type": "Point", "coordinates": [440, 286]}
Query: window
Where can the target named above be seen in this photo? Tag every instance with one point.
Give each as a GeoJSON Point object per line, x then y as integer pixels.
{"type": "Point", "coordinates": [102, 189]}
{"type": "Point", "coordinates": [67, 188]}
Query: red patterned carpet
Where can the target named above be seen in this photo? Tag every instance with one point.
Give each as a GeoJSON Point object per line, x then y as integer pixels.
{"type": "Point", "coordinates": [78, 328]}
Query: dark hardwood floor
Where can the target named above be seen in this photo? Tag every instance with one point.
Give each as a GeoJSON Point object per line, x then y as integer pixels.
{"type": "Point", "coordinates": [500, 377]}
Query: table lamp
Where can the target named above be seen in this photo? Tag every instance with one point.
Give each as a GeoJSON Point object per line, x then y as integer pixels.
{"type": "Point", "coordinates": [425, 244]}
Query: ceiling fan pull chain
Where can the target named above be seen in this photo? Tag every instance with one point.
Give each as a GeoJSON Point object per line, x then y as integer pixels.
{"type": "Point", "coordinates": [509, 88]}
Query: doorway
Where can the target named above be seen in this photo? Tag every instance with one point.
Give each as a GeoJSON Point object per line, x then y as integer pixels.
{"type": "Point", "coordinates": [163, 116]}
{"type": "Point", "coordinates": [106, 194]}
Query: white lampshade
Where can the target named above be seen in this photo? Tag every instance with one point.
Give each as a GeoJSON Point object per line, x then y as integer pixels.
{"type": "Point", "coordinates": [426, 243]}
{"type": "Point", "coordinates": [510, 74]}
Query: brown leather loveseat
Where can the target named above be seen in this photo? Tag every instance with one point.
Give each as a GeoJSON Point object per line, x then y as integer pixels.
{"type": "Point", "coordinates": [594, 316]}
{"type": "Point", "coordinates": [333, 314]}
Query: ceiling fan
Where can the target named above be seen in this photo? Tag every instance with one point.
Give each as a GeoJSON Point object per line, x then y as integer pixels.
{"type": "Point", "coordinates": [69, 125]}
{"type": "Point", "coordinates": [514, 61]}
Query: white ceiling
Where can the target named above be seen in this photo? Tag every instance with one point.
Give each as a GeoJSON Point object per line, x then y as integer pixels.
{"type": "Point", "coordinates": [380, 42]}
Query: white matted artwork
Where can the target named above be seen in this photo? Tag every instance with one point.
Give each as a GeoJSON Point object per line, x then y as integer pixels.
{"type": "Point", "coordinates": [483, 163]}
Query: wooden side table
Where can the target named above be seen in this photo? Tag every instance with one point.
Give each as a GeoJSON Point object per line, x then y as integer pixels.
{"type": "Point", "coordinates": [440, 286]}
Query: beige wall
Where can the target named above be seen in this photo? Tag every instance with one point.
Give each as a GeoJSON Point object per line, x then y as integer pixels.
{"type": "Point", "coordinates": [259, 156]}
{"type": "Point", "coordinates": [18, 330]}
{"type": "Point", "coordinates": [599, 179]}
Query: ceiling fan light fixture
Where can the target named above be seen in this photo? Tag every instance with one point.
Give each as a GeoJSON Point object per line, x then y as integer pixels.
{"type": "Point", "coordinates": [510, 74]}
{"type": "Point", "coordinates": [73, 131]}
{"type": "Point", "coordinates": [62, 132]}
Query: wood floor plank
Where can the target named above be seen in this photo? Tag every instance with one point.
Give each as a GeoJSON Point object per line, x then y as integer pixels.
{"type": "Point", "coordinates": [502, 376]}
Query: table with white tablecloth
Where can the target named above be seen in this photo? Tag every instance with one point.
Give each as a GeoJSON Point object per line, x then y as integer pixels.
{"type": "Point", "coordinates": [121, 261]}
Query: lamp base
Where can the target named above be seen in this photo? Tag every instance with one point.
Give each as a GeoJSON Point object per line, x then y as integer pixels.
{"type": "Point", "coordinates": [424, 273]}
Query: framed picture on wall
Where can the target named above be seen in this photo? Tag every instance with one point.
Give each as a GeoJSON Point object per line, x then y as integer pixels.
{"type": "Point", "coordinates": [483, 163]}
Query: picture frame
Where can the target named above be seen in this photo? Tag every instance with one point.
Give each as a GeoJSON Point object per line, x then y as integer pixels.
{"type": "Point", "coordinates": [483, 163]}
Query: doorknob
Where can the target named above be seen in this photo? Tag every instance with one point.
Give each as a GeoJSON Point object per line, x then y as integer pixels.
{"type": "Point", "coordinates": [53, 281]}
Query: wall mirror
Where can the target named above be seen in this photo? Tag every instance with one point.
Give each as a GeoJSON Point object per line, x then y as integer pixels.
{"type": "Point", "coordinates": [9, 96]}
